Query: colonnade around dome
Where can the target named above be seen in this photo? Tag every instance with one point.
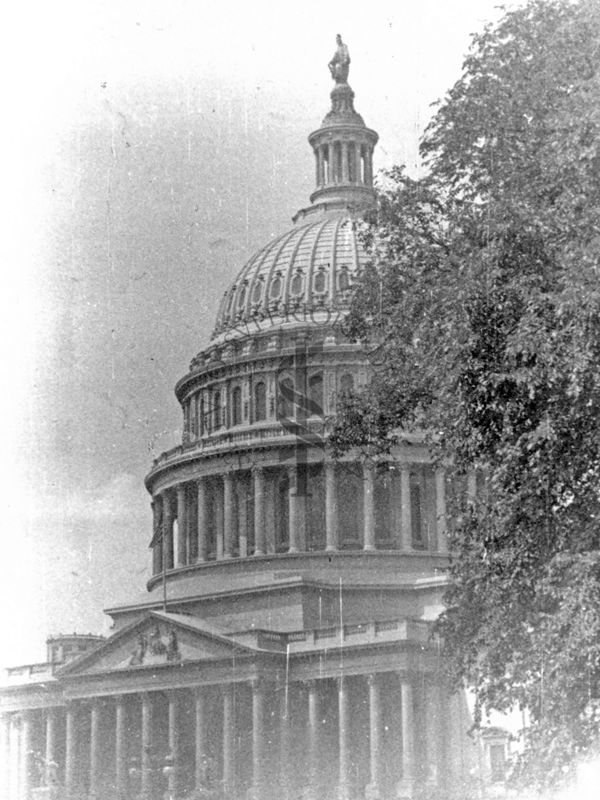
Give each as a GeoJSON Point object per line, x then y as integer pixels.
{"type": "Point", "coordinates": [295, 508]}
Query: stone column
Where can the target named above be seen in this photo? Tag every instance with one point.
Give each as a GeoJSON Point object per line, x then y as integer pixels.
{"type": "Point", "coordinates": [406, 515]}
{"type": "Point", "coordinates": [406, 785]}
{"type": "Point", "coordinates": [121, 776]}
{"type": "Point", "coordinates": [169, 550]}
{"type": "Point", "coordinates": [260, 544]}
{"type": "Point", "coordinates": [358, 164]}
{"type": "Point", "coordinates": [343, 729]}
{"type": "Point", "coordinates": [200, 738]}
{"type": "Point", "coordinates": [228, 740]}
{"type": "Point", "coordinates": [313, 736]}
{"type": "Point", "coordinates": [284, 743]}
{"type": "Point", "coordinates": [50, 754]}
{"type": "Point", "coordinates": [181, 526]}
{"type": "Point", "coordinates": [202, 532]}
{"type": "Point", "coordinates": [440, 510]}
{"type": "Point", "coordinates": [94, 790]}
{"type": "Point", "coordinates": [157, 546]}
{"type": "Point", "coordinates": [218, 517]}
{"type": "Point", "coordinates": [321, 155]}
{"type": "Point", "coordinates": [368, 507]}
{"type": "Point", "coordinates": [25, 756]}
{"type": "Point", "coordinates": [258, 739]}
{"type": "Point", "coordinates": [375, 730]}
{"type": "Point", "coordinates": [70, 751]}
{"type": "Point", "coordinates": [368, 166]}
{"type": "Point", "coordinates": [345, 162]}
{"type": "Point", "coordinates": [173, 722]}
{"type": "Point", "coordinates": [5, 755]}
{"type": "Point", "coordinates": [228, 515]}
{"type": "Point", "coordinates": [331, 508]}
{"type": "Point", "coordinates": [146, 757]}
{"type": "Point", "coordinates": [242, 518]}
{"type": "Point", "coordinates": [296, 514]}
{"type": "Point", "coordinates": [331, 171]}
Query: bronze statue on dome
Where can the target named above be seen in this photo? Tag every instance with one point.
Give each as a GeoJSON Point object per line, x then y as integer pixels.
{"type": "Point", "coordinates": [339, 66]}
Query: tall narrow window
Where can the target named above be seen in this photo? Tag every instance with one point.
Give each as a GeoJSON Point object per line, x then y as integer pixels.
{"type": "Point", "coordinates": [201, 420]}
{"type": "Point", "coordinates": [343, 280]}
{"type": "Point", "coordinates": [315, 393]}
{"type": "Point", "coordinates": [346, 384]}
{"type": "Point", "coordinates": [282, 527]}
{"type": "Point", "coordinates": [285, 405]}
{"type": "Point", "coordinates": [260, 401]}
{"type": "Point", "coordinates": [217, 409]}
{"type": "Point", "coordinates": [416, 520]}
{"type": "Point", "coordinates": [236, 406]}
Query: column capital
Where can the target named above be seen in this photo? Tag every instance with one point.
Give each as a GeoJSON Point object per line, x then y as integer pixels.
{"type": "Point", "coordinates": [258, 470]}
{"type": "Point", "coordinates": [311, 683]}
{"type": "Point", "coordinates": [260, 685]}
{"type": "Point", "coordinates": [374, 678]}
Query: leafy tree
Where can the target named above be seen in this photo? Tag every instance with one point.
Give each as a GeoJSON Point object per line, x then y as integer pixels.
{"type": "Point", "coordinates": [480, 308]}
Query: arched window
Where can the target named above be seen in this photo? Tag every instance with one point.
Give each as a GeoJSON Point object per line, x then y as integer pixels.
{"type": "Point", "coordinates": [275, 289]}
{"type": "Point", "coordinates": [217, 409]}
{"type": "Point", "coordinates": [346, 384]}
{"type": "Point", "coordinates": [315, 394]}
{"type": "Point", "coordinates": [296, 286]}
{"type": "Point", "coordinates": [320, 282]}
{"type": "Point", "coordinates": [260, 401]}
{"type": "Point", "coordinates": [236, 406]}
{"type": "Point", "coordinates": [285, 405]}
{"type": "Point", "coordinates": [257, 291]}
{"type": "Point", "coordinates": [343, 279]}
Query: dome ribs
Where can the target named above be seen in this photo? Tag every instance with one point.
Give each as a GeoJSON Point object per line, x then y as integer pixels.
{"type": "Point", "coordinates": [333, 262]}
{"type": "Point", "coordinates": [273, 269]}
{"type": "Point", "coordinates": [311, 262]}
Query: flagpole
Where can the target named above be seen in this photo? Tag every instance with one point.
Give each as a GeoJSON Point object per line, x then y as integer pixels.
{"type": "Point", "coordinates": [164, 564]}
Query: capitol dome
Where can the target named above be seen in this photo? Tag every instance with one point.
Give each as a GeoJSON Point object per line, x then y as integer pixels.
{"type": "Point", "coordinates": [309, 269]}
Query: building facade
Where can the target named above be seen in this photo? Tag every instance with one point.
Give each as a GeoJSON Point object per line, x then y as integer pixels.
{"type": "Point", "coordinates": [283, 647]}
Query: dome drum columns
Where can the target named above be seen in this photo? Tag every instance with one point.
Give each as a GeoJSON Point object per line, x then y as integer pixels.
{"type": "Point", "coordinates": [267, 510]}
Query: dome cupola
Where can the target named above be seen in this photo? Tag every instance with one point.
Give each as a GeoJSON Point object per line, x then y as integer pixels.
{"type": "Point", "coordinates": [343, 148]}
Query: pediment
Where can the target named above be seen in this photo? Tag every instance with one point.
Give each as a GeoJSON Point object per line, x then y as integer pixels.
{"type": "Point", "coordinates": [156, 640]}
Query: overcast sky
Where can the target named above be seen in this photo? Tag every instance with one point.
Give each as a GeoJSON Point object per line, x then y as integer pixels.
{"type": "Point", "coordinates": [149, 148]}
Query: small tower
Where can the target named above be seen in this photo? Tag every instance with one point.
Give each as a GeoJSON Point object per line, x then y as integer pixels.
{"type": "Point", "coordinates": [343, 148]}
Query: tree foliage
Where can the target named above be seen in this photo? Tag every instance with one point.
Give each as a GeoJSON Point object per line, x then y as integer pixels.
{"type": "Point", "coordinates": [480, 307]}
